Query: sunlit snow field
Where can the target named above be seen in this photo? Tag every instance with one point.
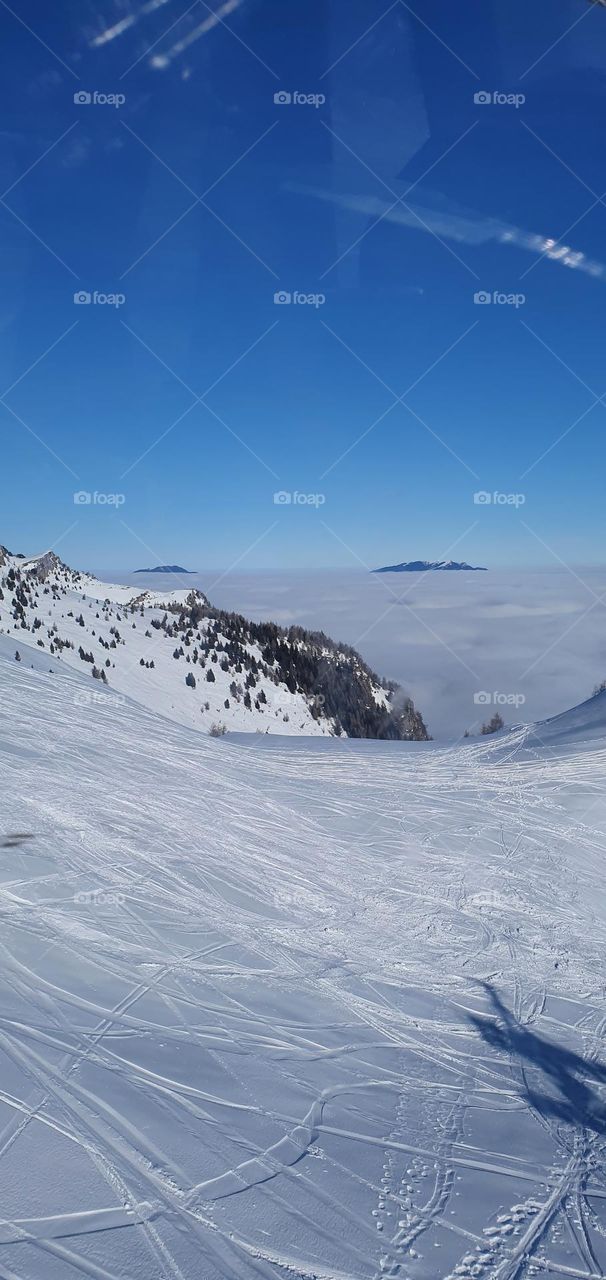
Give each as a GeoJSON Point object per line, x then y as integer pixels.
{"type": "Point", "coordinates": [277, 1008]}
{"type": "Point", "coordinates": [538, 636]}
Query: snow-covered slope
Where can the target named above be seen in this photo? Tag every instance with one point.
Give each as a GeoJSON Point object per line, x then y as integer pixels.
{"type": "Point", "coordinates": [326, 1009]}
{"type": "Point", "coordinates": [580, 723]}
{"type": "Point", "coordinates": [213, 671]}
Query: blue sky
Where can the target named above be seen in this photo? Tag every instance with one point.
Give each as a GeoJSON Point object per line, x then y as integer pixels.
{"type": "Point", "coordinates": [199, 397]}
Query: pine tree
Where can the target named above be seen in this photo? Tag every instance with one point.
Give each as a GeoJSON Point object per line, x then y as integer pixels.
{"type": "Point", "coordinates": [494, 724]}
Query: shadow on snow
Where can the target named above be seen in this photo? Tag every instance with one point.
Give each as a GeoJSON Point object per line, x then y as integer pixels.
{"type": "Point", "coordinates": [567, 1072]}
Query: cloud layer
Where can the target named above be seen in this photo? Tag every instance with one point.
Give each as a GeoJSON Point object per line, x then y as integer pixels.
{"type": "Point", "coordinates": [447, 637]}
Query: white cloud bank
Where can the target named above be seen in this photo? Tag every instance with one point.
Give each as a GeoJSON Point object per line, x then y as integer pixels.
{"type": "Point", "coordinates": [539, 634]}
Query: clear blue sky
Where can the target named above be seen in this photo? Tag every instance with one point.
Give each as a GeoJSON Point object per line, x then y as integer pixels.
{"type": "Point", "coordinates": [290, 407]}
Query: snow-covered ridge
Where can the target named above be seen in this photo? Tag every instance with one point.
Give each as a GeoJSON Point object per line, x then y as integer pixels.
{"type": "Point", "coordinates": [172, 652]}
{"type": "Point", "coordinates": [579, 724]}
{"type": "Point", "coordinates": [49, 566]}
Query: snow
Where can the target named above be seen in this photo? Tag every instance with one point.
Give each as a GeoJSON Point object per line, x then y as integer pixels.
{"type": "Point", "coordinates": [85, 612]}
{"type": "Point", "coordinates": [583, 722]}
{"type": "Point", "coordinates": [291, 1007]}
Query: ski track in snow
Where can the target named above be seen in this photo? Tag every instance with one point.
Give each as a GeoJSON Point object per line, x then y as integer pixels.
{"type": "Point", "coordinates": [311, 1009]}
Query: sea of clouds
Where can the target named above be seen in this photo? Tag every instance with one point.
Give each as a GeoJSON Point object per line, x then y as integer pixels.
{"type": "Point", "coordinates": [535, 642]}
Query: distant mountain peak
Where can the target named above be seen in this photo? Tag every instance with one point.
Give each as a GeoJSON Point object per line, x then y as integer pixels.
{"type": "Point", "coordinates": [430, 566]}
{"type": "Point", "coordinates": [166, 568]}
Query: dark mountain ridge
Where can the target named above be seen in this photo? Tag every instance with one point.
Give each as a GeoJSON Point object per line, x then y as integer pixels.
{"type": "Point", "coordinates": [432, 566]}
{"type": "Point", "coordinates": [165, 568]}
